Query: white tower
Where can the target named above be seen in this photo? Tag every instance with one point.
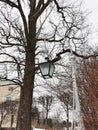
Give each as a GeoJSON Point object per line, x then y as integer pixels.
{"type": "Point", "coordinates": [77, 117]}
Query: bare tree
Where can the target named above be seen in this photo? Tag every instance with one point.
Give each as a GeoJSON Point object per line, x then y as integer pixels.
{"type": "Point", "coordinates": [46, 102]}
{"type": "Point", "coordinates": [33, 29]}
{"type": "Point", "coordinates": [88, 83]}
{"type": "Point", "coordinates": [67, 103]}
{"type": "Point", "coordinates": [8, 108]}
{"type": "Point", "coordinates": [3, 114]}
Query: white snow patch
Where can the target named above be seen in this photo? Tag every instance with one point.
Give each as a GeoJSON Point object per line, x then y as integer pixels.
{"type": "Point", "coordinates": [38, 129]}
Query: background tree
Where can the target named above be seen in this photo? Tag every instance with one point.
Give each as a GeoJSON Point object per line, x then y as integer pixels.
{"type": "Point", "coordinates": [24, 36]}
{"type": "Point", "coordinates": [35, 115]}
{"type": "Point", "coordinates": [46, 102]}
{"type": "Point", "coordinates": [67, 103]}
{"type": "Point", "coordinates": [8, 108]}
{"type": "Point", "coordinates": [88, 83]}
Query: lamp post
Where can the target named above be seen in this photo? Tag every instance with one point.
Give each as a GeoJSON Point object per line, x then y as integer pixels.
{"type": "Point", "coordinates": [47, 69]}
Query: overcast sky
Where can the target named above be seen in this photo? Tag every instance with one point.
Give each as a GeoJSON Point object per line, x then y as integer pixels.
{"type": "Point", "coordinates": [92, 7]}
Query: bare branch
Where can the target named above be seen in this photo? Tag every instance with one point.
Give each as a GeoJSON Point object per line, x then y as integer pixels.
{"type": "Point", "coordinates": [75, 53]}
{"type": "Point", "coordinates": [10, 3]}
{"type": "Point", "coordinates": [42, 6]}
{"type": "Point", "coordinates": [23, 18]}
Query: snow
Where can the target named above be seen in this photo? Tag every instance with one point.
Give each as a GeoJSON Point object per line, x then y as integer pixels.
{"type": "Point", "coordinates": [38, 129]}
{"type": "Point", "coordinates": [33, 128]}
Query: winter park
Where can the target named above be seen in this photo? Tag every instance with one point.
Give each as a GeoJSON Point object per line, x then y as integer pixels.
{"type": "Point", "coordinates": [48, 65]}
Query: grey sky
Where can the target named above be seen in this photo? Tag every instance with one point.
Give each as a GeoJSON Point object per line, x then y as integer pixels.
{"type": "Point", "coordinates": [92, 7]}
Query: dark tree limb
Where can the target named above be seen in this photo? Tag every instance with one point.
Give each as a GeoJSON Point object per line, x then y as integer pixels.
{"type": "Point", "coordinates": [42, 6]}
{"type": "Point", "coordinates": [23, 18]}
{"type": "Point", "coordinates": [10, 3]}
{"type": "Point", "coordinates": [58, 55]}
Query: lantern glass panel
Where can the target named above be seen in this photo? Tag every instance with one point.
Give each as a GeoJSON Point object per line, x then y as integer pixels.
{"type": "Point", "coordinates": [47, 69]}
{"type": "Point", "coordinates": [44, 67]}
{"type": "Point", "coordinates": [51, 69]}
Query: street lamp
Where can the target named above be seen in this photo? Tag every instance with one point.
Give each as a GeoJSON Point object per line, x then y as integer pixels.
{"type": "Point", "coordinates": [47, 69]}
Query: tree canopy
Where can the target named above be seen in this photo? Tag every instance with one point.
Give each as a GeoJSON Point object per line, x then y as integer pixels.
{"type": "Point", "coordinates": [35, 29]}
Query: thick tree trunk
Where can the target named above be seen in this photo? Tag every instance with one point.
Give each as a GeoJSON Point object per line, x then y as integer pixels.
{"type": "Point", "coordinates": [24, 112]}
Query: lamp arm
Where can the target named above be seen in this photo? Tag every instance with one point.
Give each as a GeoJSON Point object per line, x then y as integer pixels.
{"type": "Point", "coordinates": [58, 55]}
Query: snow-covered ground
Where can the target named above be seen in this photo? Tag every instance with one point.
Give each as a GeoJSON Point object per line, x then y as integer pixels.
{"type": "Point", "coordinates": [38, 129]}
{"type": "Point", "coordinates": [33, 128]}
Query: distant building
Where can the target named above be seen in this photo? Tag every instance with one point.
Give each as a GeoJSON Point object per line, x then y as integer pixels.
{"type": "Point", "coordinates": [9, 100]}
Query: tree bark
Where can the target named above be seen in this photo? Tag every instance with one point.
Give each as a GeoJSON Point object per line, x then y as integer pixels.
{"type": "Point", "coordinates": [25, 107]}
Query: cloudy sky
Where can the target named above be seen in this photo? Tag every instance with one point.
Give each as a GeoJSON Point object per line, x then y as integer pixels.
{"type": "Point", "coordinates": [92, 7]}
